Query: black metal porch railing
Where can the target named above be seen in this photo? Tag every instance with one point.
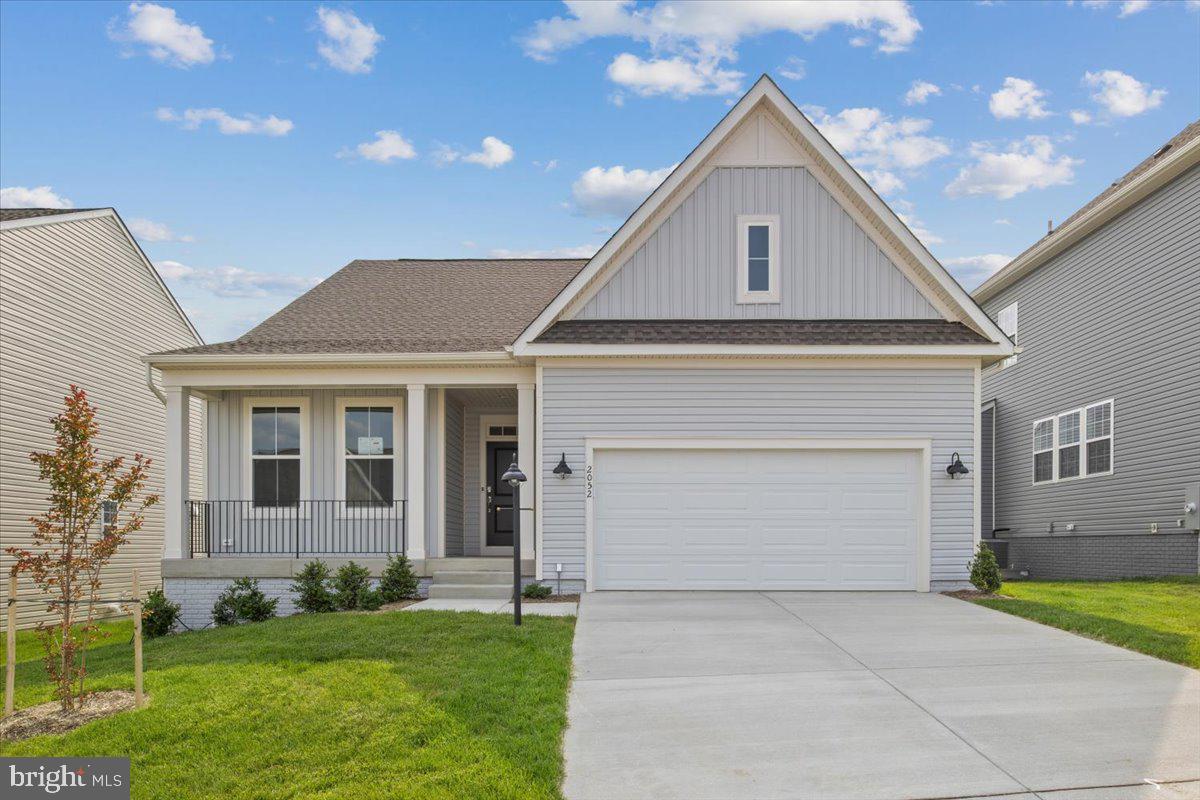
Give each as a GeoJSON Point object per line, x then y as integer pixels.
{"type": "Point", "coordinates": [311, 527]}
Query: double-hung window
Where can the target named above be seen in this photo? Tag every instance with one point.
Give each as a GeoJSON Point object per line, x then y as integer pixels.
{"type": "Point", "coordinates": [277, 452]}
{"type": "Point", "coordinates": [1074, 444]}
{"type": "Point", "coordinates": [369, 430]}
{"type": "Point", "coordinates": [758, 258]}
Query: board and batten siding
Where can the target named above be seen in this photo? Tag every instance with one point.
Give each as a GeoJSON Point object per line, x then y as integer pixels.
{"type": "Point", "coordinates": [861, 402]}
{"type": "Point", "coordinates": [830, 268]}
{"type": "Point", "coordinates": [1115, 316]}
{"type": "Point", "coordinates": [454, 478]}
{"type": "Point", "coordinates": [78, 305]}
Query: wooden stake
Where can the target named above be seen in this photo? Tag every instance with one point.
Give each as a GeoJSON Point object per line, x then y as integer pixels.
{"type": "Point", "coordinates": [139, 698]}
{"type": "Point", "coordinates": [10, 664]}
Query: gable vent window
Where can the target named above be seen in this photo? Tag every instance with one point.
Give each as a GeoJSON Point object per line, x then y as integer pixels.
{"type": "Point", "coordinates": [758, 258]}
{"type": "Point", "coordinates": [1074, 444]}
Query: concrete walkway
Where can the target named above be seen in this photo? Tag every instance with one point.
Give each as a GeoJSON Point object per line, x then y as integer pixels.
{"type": "Point", "coordinates": [856, 695]}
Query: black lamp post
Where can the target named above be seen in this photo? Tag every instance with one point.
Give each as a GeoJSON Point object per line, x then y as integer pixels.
{"type": "Point", "coordinates": [515, 478]}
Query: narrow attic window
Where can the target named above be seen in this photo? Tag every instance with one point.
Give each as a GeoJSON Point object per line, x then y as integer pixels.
{"type": "Point", "coordinates": [758, 258]}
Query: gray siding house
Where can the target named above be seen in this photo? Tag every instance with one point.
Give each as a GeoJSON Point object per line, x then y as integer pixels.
{"type": "Point", "coordinates": [759, 382]}
{"type": "Point", "coordinates": [1091, 435]}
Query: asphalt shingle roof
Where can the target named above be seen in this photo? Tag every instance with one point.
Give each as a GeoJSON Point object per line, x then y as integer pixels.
{"type": "Point", "coordinates": [10, 214]}
{"type": "Point", "coordinates": [760, 331]}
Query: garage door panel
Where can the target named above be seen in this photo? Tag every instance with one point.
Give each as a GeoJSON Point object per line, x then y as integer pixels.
{"type": "Point", "coordinates": [795, 574]}
{"type": "Point", "coordinates": [637, 538]}
{"type": "Point", "coordinates": [897, 500]}
{"type": "Point", "coordinates": [728, 500]}
{"type": "Point", "coordinates": [892, 538]}
{"type": "Point", "coordinates": [776, 537]}
{"type": "Point", "coordinates": [874, 572]}
{"type": "Point", "coordinates": [730, 537]}
{"type": "Point", "coordinates": [780, 499]}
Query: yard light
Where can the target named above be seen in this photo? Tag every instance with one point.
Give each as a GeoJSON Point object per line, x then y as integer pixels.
{"type": "Point", "coordinates": [956, 467]}
{"type": "Point", "coordinates": [562, 470]}
{"type": "Point", "coordinates": [514, 477]}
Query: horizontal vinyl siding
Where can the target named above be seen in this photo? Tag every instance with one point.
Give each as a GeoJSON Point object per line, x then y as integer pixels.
{"type": "Point", "coordinates": [770, 402]}
{"type": "Point", "coordinates": [78, 305]}
{"type": "Point", "coordinates": [1115, 316]}
{"type": "Point", "coordinates": [829, 269]}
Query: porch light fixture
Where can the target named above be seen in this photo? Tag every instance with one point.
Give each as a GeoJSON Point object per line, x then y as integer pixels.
{"type": "Point", "coordinates": [514, 477]}
{"type": "Point", "coordinates": [562, 470]}
{"type": "Point", "coordinates": [956, 467]}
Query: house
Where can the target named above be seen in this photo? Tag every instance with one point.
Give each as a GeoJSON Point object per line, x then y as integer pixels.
{"type": "Point", "coordinates": [1091, 444]}
{"type": "Point", "coordinates": [81, 304]}
{"type": "Point", "coordinates": [759, 382]}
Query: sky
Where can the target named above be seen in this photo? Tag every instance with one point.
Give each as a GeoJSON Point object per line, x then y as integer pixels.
{"type": "Point", "coordinates": [256, 148]}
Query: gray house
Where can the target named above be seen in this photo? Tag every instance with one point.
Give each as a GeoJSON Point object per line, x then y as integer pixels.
{"type": "Point", "coordinates": [759, 382]}
{"type": "Point", "coordinates": [1091, 432]}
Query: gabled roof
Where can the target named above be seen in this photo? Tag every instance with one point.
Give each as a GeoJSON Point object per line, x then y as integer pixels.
{"type": "Point", "coordinates": [1180, 153]}
{"type": "Point", "coordinates": [929, 276]}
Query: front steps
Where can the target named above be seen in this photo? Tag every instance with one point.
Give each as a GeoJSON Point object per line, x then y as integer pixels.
{"type": "Point", "coordinates": [472, 579]}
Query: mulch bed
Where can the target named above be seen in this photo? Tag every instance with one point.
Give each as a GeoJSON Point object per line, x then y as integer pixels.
{"type": "Point", "coordinates": [554, 598]}
{"type": "Point", "coordinates": [975, 594]}
{"type": "Point", "coordinates": [50, 718]}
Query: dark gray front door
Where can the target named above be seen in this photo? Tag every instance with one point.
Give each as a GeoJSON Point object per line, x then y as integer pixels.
{"type": "Point", "coordinates": [500, 497]}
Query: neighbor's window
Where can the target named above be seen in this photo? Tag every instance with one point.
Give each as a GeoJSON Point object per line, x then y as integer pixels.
{"type": "Point", "coordinates": [1099, 438]}
{"type": "Point", "coordinates": [1043, 451]}
{"type": "Point", "coordinates": [369, 454]}
{"type": "Point", "coordinates": [1007, 320]}
{"type": "Point", "coordinates": [275, 455]}
{"type": "Point", "coordinates": [108, 514]}
{"type": "Point", "coordinates": [1074, 444]}
{"type": "Point", "coordinates": [758, 258]}
{"type": "Point", "coordinates": [1068, 445]}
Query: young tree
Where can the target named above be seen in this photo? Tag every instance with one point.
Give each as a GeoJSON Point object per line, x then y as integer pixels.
{"type": "Point", "coordinates": [77, 536]}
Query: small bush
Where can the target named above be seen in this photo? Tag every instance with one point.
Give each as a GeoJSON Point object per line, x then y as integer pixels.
{"type": "Point", "coordinates": [158, 614]}
{"type": "Point", "coordinates": [312, 588]}
{"type": "Point", "coordinates": [350, 582]}
{"type": "Point", "coordinates": [398, 581]}
{"type": "Point", "coordinates": [985, 572]}
{"type": "Point", "coordinates": [369, 599]}
{"type": "Point", "coordinates": [242, 602]}
{"type": "Point", "coordinates": [536, 591]}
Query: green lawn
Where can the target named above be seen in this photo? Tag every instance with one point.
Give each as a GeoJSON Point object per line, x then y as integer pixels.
{"type": "Point", "coordinates": [400, 704]}
{"type": "Point", "coordinates": [1158, 616]}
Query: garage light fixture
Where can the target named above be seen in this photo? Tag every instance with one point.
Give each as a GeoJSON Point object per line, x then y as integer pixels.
{"type": "Point", "coordinates": [956, 467]}
{"type": "Point", "coordinates": [562, 470]}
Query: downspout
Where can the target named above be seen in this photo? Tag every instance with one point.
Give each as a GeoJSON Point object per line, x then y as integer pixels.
{"type": "Point", "coordinates": [162, 398]}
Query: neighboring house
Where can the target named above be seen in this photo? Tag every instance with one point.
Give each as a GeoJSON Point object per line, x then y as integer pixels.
{"type": "Point", "coordinates": [1092, 431]}
{"type": "Point", "coordinates": [80, 304]}
{"type": "Point", "coordinates": [757, 383]}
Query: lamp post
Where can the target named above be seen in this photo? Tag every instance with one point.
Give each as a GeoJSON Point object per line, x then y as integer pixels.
{"type": "Point", "coordinates": [515, 478]}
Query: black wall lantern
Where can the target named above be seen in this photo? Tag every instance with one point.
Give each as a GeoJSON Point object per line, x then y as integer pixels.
{"type": "Point", "coordinates": [956, 467]}
{"type": "Point", "coordinates": [562, 470]}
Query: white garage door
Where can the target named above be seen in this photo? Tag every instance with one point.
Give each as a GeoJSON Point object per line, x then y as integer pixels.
{"type": "Point", "coordinates": [755, 519]}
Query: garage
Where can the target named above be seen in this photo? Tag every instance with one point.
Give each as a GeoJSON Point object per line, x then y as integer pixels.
{"type": "Point", "coordinates": [756, 519]}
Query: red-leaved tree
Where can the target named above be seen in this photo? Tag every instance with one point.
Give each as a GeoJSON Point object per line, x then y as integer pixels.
{"type": "Point", "coordinates": [75, 538]}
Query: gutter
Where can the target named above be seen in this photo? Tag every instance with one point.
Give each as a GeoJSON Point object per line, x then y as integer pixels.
{"type": "Point", "coordinates": [162, 398]}
{"type": "Point", "coordinates": [485, 358]}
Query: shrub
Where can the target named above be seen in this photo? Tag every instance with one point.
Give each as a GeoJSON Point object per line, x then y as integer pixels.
{"type": "Point", "coordinates": [985, 572]}
{"type": "Point", "coordinates": [158, 614]}
{"type": "Point", "coordinates": [398, 581]}
{"type": "Point", "coordinates": [536, 591]}
{"type": "Point", "coordinates": [311, 586]}
{"type": "Point", "coordinates": [351, 581]}
{"type": "Point", "coordinates": [369, 599]}
{"type": "Point", "coordinates": [242, 602]}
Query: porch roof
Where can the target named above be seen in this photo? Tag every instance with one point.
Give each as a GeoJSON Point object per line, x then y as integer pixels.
{"type": "Point", "coordinates": [761, 331]}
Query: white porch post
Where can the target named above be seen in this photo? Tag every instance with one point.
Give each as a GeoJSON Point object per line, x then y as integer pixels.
{"type": "Point", "coordinates": [414, 471]}
{"type": "Point", "coordinates": [526, 447]}
{"type": "Point", "coordinates": [175, 490]}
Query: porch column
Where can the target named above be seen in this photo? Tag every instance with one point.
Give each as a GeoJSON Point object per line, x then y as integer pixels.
{"type": "Point", "coordinates": [414, 471]}
{"type": "Point", "coordinates": [175, 489]}
{"type": "Point", "coordinates": [526, 449]}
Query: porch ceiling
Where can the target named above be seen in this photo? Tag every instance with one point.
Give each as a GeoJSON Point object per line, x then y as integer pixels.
{"type": "Point", "coordinates": [485, 397]}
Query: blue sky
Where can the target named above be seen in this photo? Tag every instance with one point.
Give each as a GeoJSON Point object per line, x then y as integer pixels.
{"type": "Point", "coordinates": [257, 147]}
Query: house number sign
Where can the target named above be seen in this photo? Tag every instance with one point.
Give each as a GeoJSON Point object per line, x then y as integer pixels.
{"type": "Point", "coordinates": [370, 445]}
{"type": "Point", "coordinates": [588, 473]}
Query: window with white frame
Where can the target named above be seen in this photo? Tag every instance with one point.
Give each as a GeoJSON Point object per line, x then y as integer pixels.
{"type": "Point", "coordinates": [369, 432]}
{"type": "Point", "coordinates": [108, 514]}
{"type": "Point", "coordinates": [758, 258]}
{"type": "Point", "coordinates": [276, 454]}
{"type": "Point", "coordinates": [1007, 320]}
{"type": "Point", "coordinates": [1074, 444]}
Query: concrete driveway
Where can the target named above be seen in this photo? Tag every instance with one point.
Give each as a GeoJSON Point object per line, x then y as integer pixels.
{"type": "Point", "coordinates": [856, 695]}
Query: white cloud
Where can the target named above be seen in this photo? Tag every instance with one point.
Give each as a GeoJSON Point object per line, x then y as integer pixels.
{"type": "Point", "coordinates": [148, 230]}
{"type": "Point", "coordinates": [1122, 95]}
{"type": "Point", "coordinates": [1080, 117]}
{"type": "Point", "coordinates": [35, 197]}
{"type": "Point", "coordinates": [547, 166]}
{"type": "Point", "coordinates": [920, 92]}
{"type": "Point", "coordinates": [883, 182]}
{"type": "Point", "coordinates": [871, 139]}
{"type": "Point", "coordinates": [1018, 98]}
{"type": "Point", "coordinates": [908, 215]}
{"type": "Point", "coordinates": [235, 281]}
{"type": "Point", "coordinates": [676, 76]}
{"type": "Point", "coordinates": [1131, 7]}
{"type": "Point", "coordinates": [387, 146]}
{"type": "Point", "coordinates": [974, 270]}
{"type": "Point", "coordinates": [166, 37]}
{"type": "Point", "coordinates": [492, 153]}
{"type": "Point", "coordinates": [615, 191]}
{"type": "Point", "coordinates": [192, 118]}
{"type": "Point", "coordinates": [794, 69]}
{"type": "Point", "coordinates": [348, 43]}
{"type": "Point", "coordinates": [1028, 163]}
{"type": "Point", "coordinates": [1001, 221]}
{"type": "Point", "coordinates": [580, 251]}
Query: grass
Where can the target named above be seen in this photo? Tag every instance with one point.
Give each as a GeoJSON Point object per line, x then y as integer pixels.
{"type": "Point", "coordinates": [1156, 616]}
{"type": "Point", "coordinates": [400, 704]}
{"type": "Point", "coordinates": [29, 647]}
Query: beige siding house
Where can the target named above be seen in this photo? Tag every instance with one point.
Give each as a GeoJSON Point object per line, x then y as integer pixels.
{"type": "Point", "coordinates": [80, 303]}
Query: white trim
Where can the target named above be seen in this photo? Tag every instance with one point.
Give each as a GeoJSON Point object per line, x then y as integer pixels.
{"type": "Point", "coordinates": [247, 444]}
{"type": "Point", "coordinates": [742, 268]}
{"type": "Point", "coordinates": [398, 444]}
{"type": "Point", "coordinates": [751, 350]}
{"type": "Point", "coordinates": [441, 470]}
{"type": "Point", "coordinates": [526, 448]}
{"type": "Point", "coordinates": [538, 468]}
{"type": "Point", "coordinates": [977, 449]}
{"type": "Point", "coordinates": [1081, 444]}
{"type": "Point", "coordinates": [923, 446]}
{"type": "Point", "coordinates": [334, 377]}
{"type": "Point", "coordinates": [762, 363]}
{"type": "Point", "coordinates": [486, 420]}
{"type": "Point", "coordinates": [482, 359]}
{"type": "Point", "coordinates": [415, 469]}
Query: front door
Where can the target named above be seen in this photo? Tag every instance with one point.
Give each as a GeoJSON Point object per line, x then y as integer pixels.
{"type": "Point", "coordinates": [499, 495]}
